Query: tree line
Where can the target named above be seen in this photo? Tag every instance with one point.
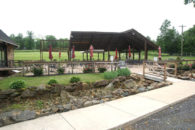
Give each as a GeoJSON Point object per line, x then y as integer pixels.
{"type": "Point", "coordinates": [170, 40]}
{"type": "Point", "coordinates": [29, 42]}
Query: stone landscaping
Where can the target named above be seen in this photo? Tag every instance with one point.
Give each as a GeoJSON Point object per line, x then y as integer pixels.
{"type": "Point", "coordinates": [32, 102]}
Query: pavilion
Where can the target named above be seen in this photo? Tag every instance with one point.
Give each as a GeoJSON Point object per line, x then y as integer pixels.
{"type": "Point", "coordinates": [109, 41]}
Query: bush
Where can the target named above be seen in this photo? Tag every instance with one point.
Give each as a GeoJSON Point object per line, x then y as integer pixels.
{"type": "Point", "coordinates": [37, 71]}
{"type": "Point", "coordinates": [186, 67]}
{"type": "Point", "coordinates": [60, 70]}
{"type": "Point", "coordinates": [172, 66]}
{"type": "Point", "coordinates": [17, 84]}
{"type": "Point", "coordinates": [52, 82]}
{"type": "Point", "coordinates": [74, 79]}
{"type": "Point", "coordinates": [110, 75]}
{"type": "Point", "coordinates": [102, 69]}
{"type": "Point", "coordinates": [193, 66]}
{"type": "Point", "coordinates": [123, 72]}
{"type": "Point", "coordinates": [87, 70]}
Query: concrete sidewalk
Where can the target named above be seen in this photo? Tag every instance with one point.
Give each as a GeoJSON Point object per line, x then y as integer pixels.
{"type": "Point", "coordinates": [111, 114]}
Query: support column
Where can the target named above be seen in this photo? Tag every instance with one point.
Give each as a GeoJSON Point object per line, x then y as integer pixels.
{"type": "Point", "coordinates": [87, 55]}
{"type": "Point", "coordinates": [146, 51]}
{"type": "Point", "coordinates": [108, 55]}
{"type": "Point", "coordinates": [83, 55]}
{"type": "Point", "coordinates": [139, 55]}
{"type": "Point", "coordinates": [98, 56]}
{"type": "Point", "coordinates": [103, 56]}
{"type": "Point", "coordinates": [119, 55]}
{"type": "Point", "coordinates": [133, 54]}
{"type": "Point", "coordinates": [126, 55]}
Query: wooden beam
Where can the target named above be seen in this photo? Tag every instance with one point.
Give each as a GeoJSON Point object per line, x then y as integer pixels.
{"type": "Point", "coordinates": [133, 54]}
{"type": "Point", "coordinates": [145, 49]}
{"type": "Point", "coordinates": [139, 55]}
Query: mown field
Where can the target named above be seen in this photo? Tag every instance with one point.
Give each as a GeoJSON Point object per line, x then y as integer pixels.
{"type": "Point", "coordinates": [35, 55]}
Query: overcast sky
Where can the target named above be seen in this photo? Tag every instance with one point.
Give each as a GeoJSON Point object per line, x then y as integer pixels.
{"type": "Point", "coordinates": [60, 17]}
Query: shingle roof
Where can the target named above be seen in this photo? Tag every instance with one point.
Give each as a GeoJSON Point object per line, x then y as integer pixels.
{"type": "Point", "coordinates": [6, 39]}
{"type": "Point", "coordinates": [110, 40]}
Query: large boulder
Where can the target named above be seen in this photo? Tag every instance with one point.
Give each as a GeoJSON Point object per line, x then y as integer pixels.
{"type": "Point", "coordinates": [28, 93]}
{"type": "Point", "coordinates": [100, 84]}
{"type": "Point", "coordinates": [16, 116]}
{"type": "Point", "coordinates": [129, 83]}
{"type": "Point", "coordinates": [5, 93]}
{"type": "Point", "coordinates": [70, 88]}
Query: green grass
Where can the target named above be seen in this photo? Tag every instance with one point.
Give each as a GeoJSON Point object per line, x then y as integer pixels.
{"type": "Point", "coordinates": [35, 55]}
{"type": "Point", "coordinates": [61, 79]}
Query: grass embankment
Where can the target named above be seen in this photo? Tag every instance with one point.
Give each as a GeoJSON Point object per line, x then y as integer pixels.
{"type": "Point", "coordinates": [61, 79]}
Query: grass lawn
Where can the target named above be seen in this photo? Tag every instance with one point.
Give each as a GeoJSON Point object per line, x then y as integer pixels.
{"type": "Point", "coordinates": [35, 55]}
{"type": "Point", "coordinates": [62, 79]}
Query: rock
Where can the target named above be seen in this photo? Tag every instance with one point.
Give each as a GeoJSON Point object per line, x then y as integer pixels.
{"type": "Point", "coordinates": [129, 83]}
{"type": "Point", "coordinates": [15, 94]}
{"type": "Point", "coordinates": [85, 86]}
{"type": "Point", "coordinates": [67, 107]}
{"type": "Point", "coordinates": [41, 90]}
{"type": "Point", "coordinates": [150, 87]}
{"type": "Point", "coordinates": [95, 101]}
{"type": "Point", "coordinates": [115, 81]}
{"type": "Point", "coordinates": [6, 93]}
{"type": "Point", "coordinates": [141, 89]}
{"type": "Point", "coordinates": [161, 84]}
{"type": "Point", "coordinates": [100, 84]}
{"type": "Point", "coordinates": [70, 88]}
{"type": "Point", "coordinates": [118, 92]}
{"type": "Point", "coordinates": [16, 116]}
{"type": "Point", "coordinates": [135, 77]}
{"type": "Point", "coordinates": [54, 109]}
{"type": "Point", "coordinates": [60, 108]}
{"type": "Point", "coordinates": [184, 77]}
{"type": "Point", "coordinates": [88, 103]}
{"type": "Point", "coordinates": [125, 94]}
{"type": "Point", "coordinates": [110, 86]}
{"type": "Point", "coordinates": [121, 78]}
{"type": "Point", "coordinates": [28, 93]}
{"type": "Point", "coordinates": [65, 96]}
{"type": "Point", "coordinates": [108, 96]}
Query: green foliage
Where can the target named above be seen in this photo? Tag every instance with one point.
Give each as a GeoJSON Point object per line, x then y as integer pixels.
{"type": "Point", "coordinates": [39, 104]}
{"type": "Point", "coordinates": [87, 70]}
{"type": "Point", "coordinates": [186, 67]}
{"type": "Point", "coordinates": [172, 66]}
{"type": "Point", "coordinates": [74, 79]}
{"type": "Point", "coordinates": [189, 1]}
{"type": "Point", "coordinates": [169, 38]}
{"type": "Point", "coordinates": [123, 72]}
{"type": "Point", "coordinates": [60, 70]}
{"type": "Point", "coordinates": [193, 66]}
{"type": "Point", "coordinates": [189, 40]}
{"type": "Point", "coordinates": [17, 84]}
{"type": "Point", "coordinates": [52, 82]}
{"type": "Point", "coordinates": [110, 75]}
{"type": "Point", "coordinates": [37, 71]}
{"type": "Point", "coordinates": [102, 69]}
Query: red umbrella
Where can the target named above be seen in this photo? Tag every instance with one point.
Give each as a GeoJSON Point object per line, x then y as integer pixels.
{"type": "Point", "coordinates": [60, 54]}
{"type": "Point", "coordinates": [159, 53]}
{"type": "Point", "coordinates": [116, 55]}
{"type": "Point", "coordinates": [129, 51]}
{"type": "Point", "coordinates": [73, 53]}
{"type": "Point", "coordinates": [50, 52]}
{"type": "Point", "coordinates": [91, 51]}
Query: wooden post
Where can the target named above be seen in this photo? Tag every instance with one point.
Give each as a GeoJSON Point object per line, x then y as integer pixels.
{"type": "Point", "coordinates": [126, 55]}
{"type": "Point", "coordinates": [119, 55]}
{"type": "Point", "coordinates": [98, 56]}
{"type": "Point", "coordinates": [72, 67]}
{"type": "Point", "coordinates": [103, 56]}
{"type": "Point", "coordinates": [145, 49]}
{"type": "Point", "coordinates": [83, 56]}
{"type": "Point", "coordinates": [133, 54]}
{"type": "Point", "coordinates": [87, 55]}
{"type": "Point", "coordinates": [165, 71]}
{"type": "Point", "coordinates": [23, 69]}
{"type": "Point", "coordinates": [48, 68]}
{"type": "Point", "coordinates": [175, 68]}
{"type": "Point", "coordinates": [108, 55]}
{"type": "Point", "coordinates": [139, 56]}
{"type": "Point", "coordinates": [144, 65]}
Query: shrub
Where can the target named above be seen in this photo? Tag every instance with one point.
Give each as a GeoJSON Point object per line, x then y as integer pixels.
{"type": "Point", "coordinates": [172, 66]}
{"type": "Point", "coordinates": [123, 72]}
{"type": "Point", "coordinates": [87, 70]}
{"type": "Point", "coordinates": [37, 71]}
{"type": "Point", "coordinates": [102, 69]}
{"type": "Point", "coordinates": [193, 66]}
{"type": "Point", "coordinates": [74, 79]}
{"type": "Point", "coordinates": [110, 75]}
{"type": "Point", "coordinates": [52, 82]}
{"type": "Point", "coordinates": [185, 67]}
{"type": "Point", "coordinates": [60, 70]}
{"type": "Point", "coordinates": [17, 84]}
{"type": "Point", "coordinates": [39, 104]}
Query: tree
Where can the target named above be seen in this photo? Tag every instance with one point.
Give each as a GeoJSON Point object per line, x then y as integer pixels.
{"type": "Point", "coordinates": [29, 41]}
{"type": "Point", "coordinates": [169, 38]}
{"type": "Point", "coordinates": [189, 1]}
{"type": "Point", "coordinates": [189, 40]}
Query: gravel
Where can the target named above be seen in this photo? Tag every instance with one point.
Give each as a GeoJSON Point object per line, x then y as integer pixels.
{"type": "Point", "coordinates": [179, 116]}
